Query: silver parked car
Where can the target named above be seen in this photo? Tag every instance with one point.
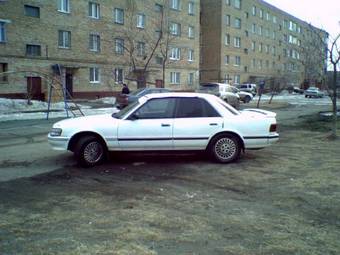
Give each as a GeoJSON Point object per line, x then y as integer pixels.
{"type": "Point", "coordinates": [314, 92]}
{"type": "Point", "coordinates": [222, 90]}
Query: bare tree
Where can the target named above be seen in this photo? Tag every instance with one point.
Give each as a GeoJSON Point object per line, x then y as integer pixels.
{"type": "Point", "coordinates": [334, 58]}
{"type": "Point", "coordinates": [139, 43]}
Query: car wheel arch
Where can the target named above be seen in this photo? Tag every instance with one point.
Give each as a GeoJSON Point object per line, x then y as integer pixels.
{"type": "Point", "coordinates": [75, 138]}
{"type": "Point", "coordinates": [226, 133]}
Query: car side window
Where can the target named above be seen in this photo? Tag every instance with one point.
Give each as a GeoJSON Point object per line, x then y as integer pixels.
{"type": "Point", "coordinates": [157, 108]}
{"type": "Point", "coordinates": [209, 111]}
{"type": "Point", "coordinates": [194, 108]}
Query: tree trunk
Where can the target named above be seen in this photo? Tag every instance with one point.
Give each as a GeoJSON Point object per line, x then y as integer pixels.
{"type": "Point", "coordinates": [334, 96]}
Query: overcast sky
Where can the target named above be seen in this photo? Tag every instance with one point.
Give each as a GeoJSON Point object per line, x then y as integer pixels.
{"type": "Point", "coordinates": [323, 14]}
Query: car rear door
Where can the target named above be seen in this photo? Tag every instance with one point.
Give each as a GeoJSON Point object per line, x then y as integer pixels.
{"type": "Point", "coordinates": [150, 127]}
{"type": "Point", "coordinates": [195, 122]}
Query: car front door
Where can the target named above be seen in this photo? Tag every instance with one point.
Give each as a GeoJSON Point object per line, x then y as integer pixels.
{"type": "Point", "coordinates": [150, 127]}
{"type": "Point", "coordinates": [195, 122]}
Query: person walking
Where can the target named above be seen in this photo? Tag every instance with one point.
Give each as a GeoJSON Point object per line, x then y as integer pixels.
{"type": "Point", "coordinates": [125, 89]}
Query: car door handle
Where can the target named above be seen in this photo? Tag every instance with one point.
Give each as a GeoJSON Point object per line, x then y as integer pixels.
{"type": "Point", "coordinates": [213, 124]}
{"type": "Point", "coordinates": [165, 125]}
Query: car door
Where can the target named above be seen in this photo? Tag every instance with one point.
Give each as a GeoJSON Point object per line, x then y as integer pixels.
{"type": "Point", "coordinates": [195, 122]}
{"type": "Point", "coordinates": [150, 127]}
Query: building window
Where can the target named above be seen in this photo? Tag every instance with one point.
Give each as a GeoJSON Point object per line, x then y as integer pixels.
{"type": "Point", "coordinates": [94, 11]}
{"type": "Point", "coordinates": [253, 63]}
{"type": "Point", "coordinates": [237, 42]}
{"type": "Point", "coordinates": [175, 77]}
{"type": "Point", "coordinates": [94, 75]}
{"type": "Point", "coordinates": [118, 15]}
{"type": "Point", "coordinates": [227, 2]}
{"type": "Point", "coordinates": [175, 53]}
{"type": "Point", "coordinates": [33, 50]}
{"type": "Point", "coordinates": [260, 30]}
{"type": "Point", "coordinates": [2, 32]}
{"type": "Point", "coordinates": [64, 6]}
{"type": "Point", "coordinates": [175, 29]}
{"type": "Point", "coordinates": [3, 69]}
{"type": "Point", "coordinates": [261, 13]}
{"type": "Point", "coordinates": [260, 47]}
{"type": "Point", "coordinates": [175, 4]}
{"type": "Point", "coordinates": [119, 75]}
{"type": "Point", "coordinates": [253, 28]}
{"type": "Point", "coordinates": [119, 46]}
{"type": "Point", "coordinates": [158, 8]}
{"type": "Point", "coordinates": [274, 19]}
{"type": "Point", "coordinates": [237, 79]}
{"type": "Point", "coordinates": [191, 32]}
{"type": "Point", "coordinates": [266, 32]}
{"type": "Point", "coordinates": [237, 60]}
{"type": "Point", "coordinates": [274, 50]}
{"type": "Point", "coordinates": [64, 39]}
{"type": "Point", "coordinates": [227, 20]}
{"type": "Point", "coordinates": [226, 60]}
{"type": "Point", "coordinates": [253, 45]}
{"type": "Point", "coordinates": [191, 55]}
{"type": "Point", "coordinates": [191, 8]}
{"type": "Point", "coordinates": [159, 60]}
{"type": "Point", "coordinates": [227, 39]}
{"type": "Point", "coordinates": [237, 23]}
{"type": "Point", "coordinates": [237, 4]}
{"type": "Point", "coordinates": [267, 16]}
{"type": "Point", "coordinates": [253, 11]}
{"type": "Point", "coordinates": [140, 20]}
{"type": "Point", "coordinates": [191, 78]}
{"type": "Point", "coordinates": [94, 42]}
{"type": "Point", "coordinates": [141, 49]}
{"type": "Point", "coordinates": [32, 11]}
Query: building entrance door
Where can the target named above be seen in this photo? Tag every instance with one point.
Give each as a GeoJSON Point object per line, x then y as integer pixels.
{"type": "Point", "coordinates": [34, 88]}
{"type": "Point", "coordinates": [69, 85]}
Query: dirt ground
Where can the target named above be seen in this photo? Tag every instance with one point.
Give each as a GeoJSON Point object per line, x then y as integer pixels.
{"type": "Point", "coordinates": [281, 200]}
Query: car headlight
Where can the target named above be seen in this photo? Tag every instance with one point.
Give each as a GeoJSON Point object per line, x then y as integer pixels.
{"type": "Point", "coordinates": [55, 132]}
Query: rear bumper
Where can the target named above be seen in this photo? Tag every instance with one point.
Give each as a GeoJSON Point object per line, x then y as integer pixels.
{"type": "Point", "coordinates": [258, 142]}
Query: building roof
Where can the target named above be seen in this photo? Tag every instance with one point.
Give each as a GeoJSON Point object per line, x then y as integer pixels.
{"type": "Point", "coordinates": [276, 9]}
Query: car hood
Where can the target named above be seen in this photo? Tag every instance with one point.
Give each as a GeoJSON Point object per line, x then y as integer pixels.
{"type": "Point", "coordinates": [258, 113]}
{"type": "Point", "coordinates": [86, 121]}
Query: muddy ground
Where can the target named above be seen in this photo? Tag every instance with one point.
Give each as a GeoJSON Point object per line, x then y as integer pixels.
{"type": "Point", "coordinates": [281, 200]}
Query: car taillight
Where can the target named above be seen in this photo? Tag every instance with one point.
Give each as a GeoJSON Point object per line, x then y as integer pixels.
{"type": "Point", "coordinates": [273, 128]}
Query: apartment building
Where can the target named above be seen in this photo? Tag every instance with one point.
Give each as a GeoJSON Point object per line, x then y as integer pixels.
{"type": "Point", "coordinates": [92, 46]}
{"type": "Point", "coordinates": [251, 40]}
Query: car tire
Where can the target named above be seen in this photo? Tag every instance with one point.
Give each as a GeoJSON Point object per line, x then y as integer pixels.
{"type": "Point", "coordinates": [225, 148]}
{"type": "Point", "coordinates": [247, 99]}
{"type": "Point", "coordinates": [89, 151]}
{"type": "Point", "coordinates": [306, 96]}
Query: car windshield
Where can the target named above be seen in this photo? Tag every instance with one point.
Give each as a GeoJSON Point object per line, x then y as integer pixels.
{"type": "Point", "coordinates": [124, 111]}
{"type": "Point", "coordinates": [208, 87]}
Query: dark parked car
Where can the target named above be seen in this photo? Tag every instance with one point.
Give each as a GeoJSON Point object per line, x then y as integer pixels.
{"type": "Point", "coordinates": [126, 99]}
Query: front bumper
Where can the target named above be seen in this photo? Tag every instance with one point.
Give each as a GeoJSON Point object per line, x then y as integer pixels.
{"type": "Point", "coordinates": [58, 142]}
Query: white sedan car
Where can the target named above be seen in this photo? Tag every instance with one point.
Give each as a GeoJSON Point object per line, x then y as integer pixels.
{"type": "Point", "coordinates": [167, 121]}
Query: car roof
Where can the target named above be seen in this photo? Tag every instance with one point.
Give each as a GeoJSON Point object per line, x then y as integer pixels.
{"type": "Point", "coordinates": [179, 94]}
